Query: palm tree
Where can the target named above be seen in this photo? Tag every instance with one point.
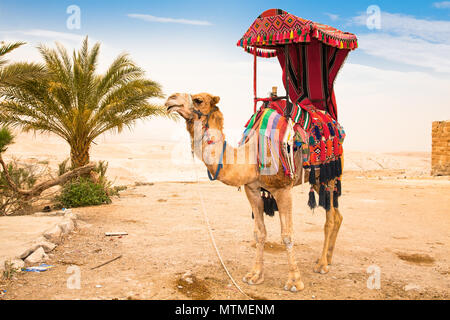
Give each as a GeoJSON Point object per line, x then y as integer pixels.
{"type": "Point", "coordinates": [76, 103]}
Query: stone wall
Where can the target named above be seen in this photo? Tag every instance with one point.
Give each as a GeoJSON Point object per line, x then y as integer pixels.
{"type": "Point", "coordinates": [440, 154]}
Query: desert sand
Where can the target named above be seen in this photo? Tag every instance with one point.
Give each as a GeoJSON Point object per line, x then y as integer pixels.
{"type": "Point", "coordinates": [396, 218]}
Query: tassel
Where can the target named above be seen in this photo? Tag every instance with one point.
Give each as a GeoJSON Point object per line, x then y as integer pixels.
{"type": "Point", "coordinates": [312, 199]}
{"type": "Point", "coordinates": [333, 170]}
{"type": "Point", "coordinates": [339, 167]}
{"type": "Point", "coordinates": [323, 155]}
{"type": "Point", "coordinates": [329, 172]}
{"type": "Point", "coordinates": [322, 175]}
{"type": "Point", "coordinates": [330, 128]}
{"type": "Point", "coordinates": [312, 175]}
{"type": "Point", "coordinates": [336, 146]}
{"type": "Point", "coordinates": [322, 195]}
{"type": "Point", "coordinates": [338, 187]}
{"type": "Point", "coordinates": [335, 198]}
{"type": "Point", "coordinates": [317, 133]}
{"type": "Point", "coordinates": [327, 200]}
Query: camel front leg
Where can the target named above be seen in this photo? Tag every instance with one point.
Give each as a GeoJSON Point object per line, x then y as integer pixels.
{"type": "Point", "coordinates": [284, 202]}
{"type": "Point", "coordinates": [256, 275]}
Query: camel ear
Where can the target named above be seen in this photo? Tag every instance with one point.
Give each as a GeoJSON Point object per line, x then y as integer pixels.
{"type": "Point", "coordinates": [215, 100]}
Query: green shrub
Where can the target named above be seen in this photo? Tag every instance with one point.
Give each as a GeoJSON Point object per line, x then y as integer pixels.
{"type": "Point", "coordinates": [83, 192]}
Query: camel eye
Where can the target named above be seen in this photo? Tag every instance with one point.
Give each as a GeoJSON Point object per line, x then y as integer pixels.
{"type": "Point", "coordinates": [198, 101]}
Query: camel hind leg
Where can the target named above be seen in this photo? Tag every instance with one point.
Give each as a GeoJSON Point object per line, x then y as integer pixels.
{"type": "Point", "coordinates": [256, 274]}
{"type": "Point", "coordinates": [331, 229]}
{"type": "Point", "coordinates": [337, 224]}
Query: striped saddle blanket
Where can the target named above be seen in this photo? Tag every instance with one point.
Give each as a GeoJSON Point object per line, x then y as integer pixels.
{"type": "Point", "coordinates": [315, 133]}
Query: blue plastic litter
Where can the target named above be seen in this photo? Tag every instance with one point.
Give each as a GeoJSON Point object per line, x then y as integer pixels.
{"type": "Point", "coordinates": [43, 267]}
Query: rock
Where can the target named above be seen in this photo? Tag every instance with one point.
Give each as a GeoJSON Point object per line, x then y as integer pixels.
{"type": "Point", "coordinates": [66, 226]}
{"type": "Point", "coordinates": [28, 250]}
{"type": "Point", "coordinates": [187, 277]}
{"type": "Point", "coordinates": [40, 242]}
{"type": "Point", "coordinates": [45, 244]}
{"type": "Point", "coordinates": [36, 257]}
{"type": "Point", "coordinates": [54, 234]}
{"type": "Point", "coordinates": [411, 286]}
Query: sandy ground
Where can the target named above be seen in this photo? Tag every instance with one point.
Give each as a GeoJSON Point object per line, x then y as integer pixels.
{"type": "Point", "coordinates": [395, 217]}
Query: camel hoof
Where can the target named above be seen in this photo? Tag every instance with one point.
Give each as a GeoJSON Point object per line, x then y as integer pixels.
{"type": "Point", "coordinates": [321, 268]}
{"type": "Point", "coordinates": [294, 283]}
{"type": "Point", "coordinates": [254, 278]}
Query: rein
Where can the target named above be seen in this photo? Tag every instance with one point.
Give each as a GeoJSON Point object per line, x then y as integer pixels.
{"type": "Point", "coordinates": [219, 166]}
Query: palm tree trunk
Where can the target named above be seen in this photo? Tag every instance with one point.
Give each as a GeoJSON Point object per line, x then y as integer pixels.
{"type": "Point", "coordinates": [79, 155]}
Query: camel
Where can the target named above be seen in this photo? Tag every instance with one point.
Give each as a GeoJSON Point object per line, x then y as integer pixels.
{"type": "Point", "coordinates": [204, 122]}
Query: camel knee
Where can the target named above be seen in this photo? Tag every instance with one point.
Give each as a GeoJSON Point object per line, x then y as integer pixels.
{"type": "Point", "coordinates": [329, 225]}
{"type": "Point", "coordinates": [260, 237]}
{"type": "Point", "coordinates": [288, 243]}
{"type": "Point", "coordinates": [338, 218]}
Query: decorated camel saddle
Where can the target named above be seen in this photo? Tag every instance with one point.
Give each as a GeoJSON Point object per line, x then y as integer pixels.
{"type": "Point", "coordinates": [310, 131]}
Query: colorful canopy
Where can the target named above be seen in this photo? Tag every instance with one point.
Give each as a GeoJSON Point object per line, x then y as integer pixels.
{"type": "Point", "coordinates": [276, 27]}
{"type": "Point", "coordinates": [315, 54]}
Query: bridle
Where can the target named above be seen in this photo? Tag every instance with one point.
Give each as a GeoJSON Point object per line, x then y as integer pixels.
{"type": "Point", "coordinates": [209, 141]}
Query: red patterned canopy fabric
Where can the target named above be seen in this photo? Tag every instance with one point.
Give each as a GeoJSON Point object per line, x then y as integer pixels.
{"type": "Point", "coordinates": [276, 27]}
{"type": "Point", "coordinates": [316, 53]}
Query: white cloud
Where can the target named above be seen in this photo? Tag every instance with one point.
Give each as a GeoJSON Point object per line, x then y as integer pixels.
{"type": "Point", "coordinates": [442, 5]}
{"type": "Point", "coordinates": [332, 16]}
{"type": "Point", "coordinates": [406, 39]}
{"type": "Point", "coordinates": [405, 25]}
{"type": "Point", "coordinates": [407, 50]}
{"type": "Point", "coordinates": [49, 34]}
{"type": "Point", "coordinates": [150, 18]}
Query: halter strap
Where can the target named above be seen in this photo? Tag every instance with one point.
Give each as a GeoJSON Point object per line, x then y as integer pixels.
{"type": "Point", "coordinates": [220, 165]}
{"type": "Point", "coordinates": [201, 114]}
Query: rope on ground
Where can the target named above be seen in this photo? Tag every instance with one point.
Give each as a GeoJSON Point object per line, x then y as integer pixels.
{"type": "Point", "coordinates": [211, 235]}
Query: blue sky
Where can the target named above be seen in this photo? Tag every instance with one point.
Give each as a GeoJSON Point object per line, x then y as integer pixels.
{"type": "Point", "coordinates": [396, 70]}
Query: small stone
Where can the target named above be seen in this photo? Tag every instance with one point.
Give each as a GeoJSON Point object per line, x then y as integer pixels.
{"type": "Point", "coordinates": [36, 257]}
{"type": "Point", "coordinates": [98, 286]}
{"type": "Point", "coordinates": [411, 286]}
{"type": "Point", "coordinates": [180, 287]}
{"type": "Point", "coordinates": [54, 234]}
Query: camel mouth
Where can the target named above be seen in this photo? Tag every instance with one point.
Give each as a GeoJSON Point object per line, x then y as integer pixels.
{"type": "Point", "coordinates": [173, 107]}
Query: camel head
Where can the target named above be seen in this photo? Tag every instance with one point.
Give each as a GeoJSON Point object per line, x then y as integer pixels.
{"type": "Point", "coordinates": [185, 104]}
